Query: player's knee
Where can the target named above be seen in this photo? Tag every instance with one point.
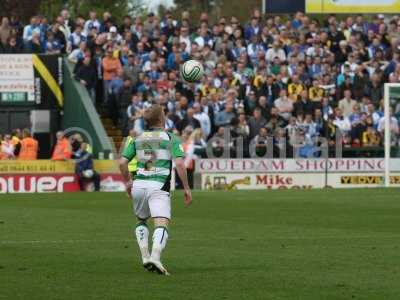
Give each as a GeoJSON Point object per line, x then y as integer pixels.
{"type": "Point", "coordinates": [161, 222]}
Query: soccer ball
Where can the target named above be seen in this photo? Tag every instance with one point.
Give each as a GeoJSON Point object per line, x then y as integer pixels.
{"type": "Point", "coordinates": [192, 70]}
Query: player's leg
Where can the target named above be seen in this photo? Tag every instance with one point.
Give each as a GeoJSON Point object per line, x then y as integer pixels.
{"type": "Point", "coordinates": [142, 237]}
{"type": "Point", "coordinates": [142, 212]}
{"type": "Point", "coordinates": [160, 209]}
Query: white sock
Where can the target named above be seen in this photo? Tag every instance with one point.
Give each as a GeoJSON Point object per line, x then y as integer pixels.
{"type": "Point", "coordinates": [160, 237]}
{"type": "Point", "coordinates": [142, 237]}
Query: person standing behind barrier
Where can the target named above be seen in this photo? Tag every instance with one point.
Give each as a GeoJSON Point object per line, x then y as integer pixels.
{"type": "Point", "coordinates": [84, 168]}
{"type": "Point", "coordinates": [7, 148]}
{"type": "Point", "coordinates": [29, 146]}
{"type": "Point", "coordinates": [111, 67]}
{"type": "Point", "coordinates": [62, 150]}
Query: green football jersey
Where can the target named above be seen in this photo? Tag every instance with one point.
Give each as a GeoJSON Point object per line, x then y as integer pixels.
{"type": "Point", "coordinates": [154, 151]}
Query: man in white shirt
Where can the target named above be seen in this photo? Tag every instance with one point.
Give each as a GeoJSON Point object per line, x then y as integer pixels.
{"type": "Point", "coordinates": [347, 104]}
{"type": "Point", "coordinates": [185, 38]}
{"type": "Point", "coordinates": [92, 22]}
{"type": "Point", "coordinates": [275, 51]}
{"type": "Point", "coordinates": [341, 121]}
{"type": "Point", "coordinates": [284, 105]}
{"type": "Point", "coordinates": [30, 29]}
{"type": "Point", "coordinates": [203, 38]}
{"type": "Point", "coordinates": [203, 118]}
{"type": "Point", "coordinates": [394, 128]}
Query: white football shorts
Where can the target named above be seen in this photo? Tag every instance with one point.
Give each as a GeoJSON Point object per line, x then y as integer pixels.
{"type": "Point", "coordinates": [150, 201]}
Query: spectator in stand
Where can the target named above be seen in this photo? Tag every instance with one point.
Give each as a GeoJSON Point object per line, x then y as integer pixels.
{"type": "Point", "coordinates": [224, 118]}
{"type": "Point", "coordinates": [84, 168]}
{"type": "Point", "coordinates": [31, 29]}
{"type": "Point", "coordinates": [93, 22]}
{"type": "Point", "coordinates": [347, 104]}
{"type": "Point", "coordinates": [12, 46]}
{"type": "Point", "coordinates": [5, 31]}
{"type": "Point", "coordinates": [62, 150]}
{"type": "Point", "coordinates": [86, 74]}
{"type": "Point", "coordinates": [29, 146]}
{"type": "Point", "coordinates": [284, 105]}
{"type": "Point", "coordinates": [76, 38]}
{"type": "Point", "coordinates": [256, 122]}
{"type": "Point", "coordinates": [7, 148]}
{"type": "Point", "coordinates": [33, 45]}
{"type": "Point", "coordinates": [188, 121]}
{"type": "Point", "coordinates": [321, 68]}
{"type": "Point", "coordinates": [111, 68]}
{"type": "Point", "coordinates": [78, 54]}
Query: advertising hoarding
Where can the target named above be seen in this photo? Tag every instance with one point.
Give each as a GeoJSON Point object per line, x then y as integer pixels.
{"type": "Point", "coordinates": [41, 176]}
{"type": "Point", "coordinates": [276, 181]}
{"type": "Point", "coordinates": [352, 6]}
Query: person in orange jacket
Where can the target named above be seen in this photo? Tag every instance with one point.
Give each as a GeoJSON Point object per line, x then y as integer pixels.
{"type": "Point", "coordinates": [62, 150]}
{"type": "Point", "coordinates": [111, 66]}
{"type": "Point", "coordinates": [29, 146]}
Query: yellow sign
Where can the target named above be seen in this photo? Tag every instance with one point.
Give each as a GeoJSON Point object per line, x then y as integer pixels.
{"type": "Point", "coordinates": [352, 6]}
{"type": "Point", "coordinates": [51, 167]}
{"type": "Point", "coordinates": [368, 180]}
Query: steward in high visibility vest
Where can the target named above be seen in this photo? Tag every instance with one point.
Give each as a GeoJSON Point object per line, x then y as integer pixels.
{"type": "Point", "coordinates": [29, 146]}
{"type": "Point", "coordinates": [132, 166]}
{"type": "Point", "coordinates": [62, 150]}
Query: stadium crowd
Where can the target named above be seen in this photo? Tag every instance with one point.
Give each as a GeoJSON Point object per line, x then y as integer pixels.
{"type": "Point", "coordinates": [290, 79]}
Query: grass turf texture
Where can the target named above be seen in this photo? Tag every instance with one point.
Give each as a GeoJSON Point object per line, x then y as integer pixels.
{"type": "Point", "coordinates": [333, 244]}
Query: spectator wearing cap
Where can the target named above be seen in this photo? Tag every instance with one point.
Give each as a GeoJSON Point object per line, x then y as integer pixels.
{"type": "Point", "coordinates": [114, 36]}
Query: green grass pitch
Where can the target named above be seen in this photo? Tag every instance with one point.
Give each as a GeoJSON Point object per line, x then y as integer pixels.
{"type": "Point", "coordinates": [332, 244]}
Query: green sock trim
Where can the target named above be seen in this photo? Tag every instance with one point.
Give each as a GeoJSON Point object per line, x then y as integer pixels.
{"type": "Point", "coordinates": [141, 223]}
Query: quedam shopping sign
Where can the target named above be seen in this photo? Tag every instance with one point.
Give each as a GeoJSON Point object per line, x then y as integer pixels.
{"type": "Point", "coordinates": [231, 174]}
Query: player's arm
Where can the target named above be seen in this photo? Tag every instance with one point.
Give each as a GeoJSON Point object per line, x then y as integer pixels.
{"type": "Point", "coordinates": [178, 155]}
{"type": "Point", "coordinates": [123, 167]}
{"type": "Point", "coordinates": [181, 169]}
{"type": "Point", "coordinates": [127, 155]}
